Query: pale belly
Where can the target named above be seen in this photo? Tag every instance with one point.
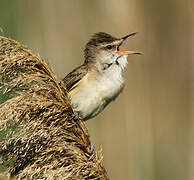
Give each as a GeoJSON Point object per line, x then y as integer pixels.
{"type": "Point", "coordinates": [89, 99]}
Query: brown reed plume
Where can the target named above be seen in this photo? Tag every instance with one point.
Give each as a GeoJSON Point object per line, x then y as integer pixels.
{"type": "Point", "coordinates": [40, 135]}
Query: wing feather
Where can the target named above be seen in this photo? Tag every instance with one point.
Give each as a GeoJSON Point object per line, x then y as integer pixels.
{"type": "Point", "coordinates": [74, 77]}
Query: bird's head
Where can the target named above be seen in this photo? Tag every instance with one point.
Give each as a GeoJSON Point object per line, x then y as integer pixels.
{"type": "Point", "coordinates": [104, 50]}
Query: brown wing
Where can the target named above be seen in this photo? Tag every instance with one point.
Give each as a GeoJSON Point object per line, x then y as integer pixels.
{"type": "Point", "coordinates": [73, 78]}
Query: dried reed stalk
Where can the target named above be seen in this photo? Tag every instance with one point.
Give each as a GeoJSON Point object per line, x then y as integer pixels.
{"type": "Point", "coordinates": [40, 135]}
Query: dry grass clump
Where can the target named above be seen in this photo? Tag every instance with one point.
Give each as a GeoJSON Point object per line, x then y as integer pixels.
{"type": "Point", "coordinates": [40, 135]}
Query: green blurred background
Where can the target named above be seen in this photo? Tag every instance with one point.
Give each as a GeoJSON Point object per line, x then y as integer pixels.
{"type": "Point", "coordinates": [147, 133]}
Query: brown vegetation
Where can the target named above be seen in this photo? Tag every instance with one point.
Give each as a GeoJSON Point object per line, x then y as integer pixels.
{"type": "Point", "coordinates": [40, 136]}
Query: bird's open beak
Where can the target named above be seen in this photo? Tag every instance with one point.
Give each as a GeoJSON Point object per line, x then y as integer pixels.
{"type": "Point", "coordinates": [126, 52]}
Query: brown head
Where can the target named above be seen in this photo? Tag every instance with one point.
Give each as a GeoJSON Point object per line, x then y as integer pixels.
{"type": "Point", "coordinates": [104, 45]}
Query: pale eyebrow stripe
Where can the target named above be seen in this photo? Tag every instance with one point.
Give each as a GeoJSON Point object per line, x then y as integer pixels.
{"type": "Point", "coordinates": [112, 44]}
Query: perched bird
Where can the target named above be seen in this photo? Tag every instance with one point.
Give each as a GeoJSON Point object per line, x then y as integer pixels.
{"type": "Point", "coordinates": [98, 81]}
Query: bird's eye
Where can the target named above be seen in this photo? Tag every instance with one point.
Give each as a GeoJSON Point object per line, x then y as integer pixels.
{"type": "Point", "coordinates": [109, 47]}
